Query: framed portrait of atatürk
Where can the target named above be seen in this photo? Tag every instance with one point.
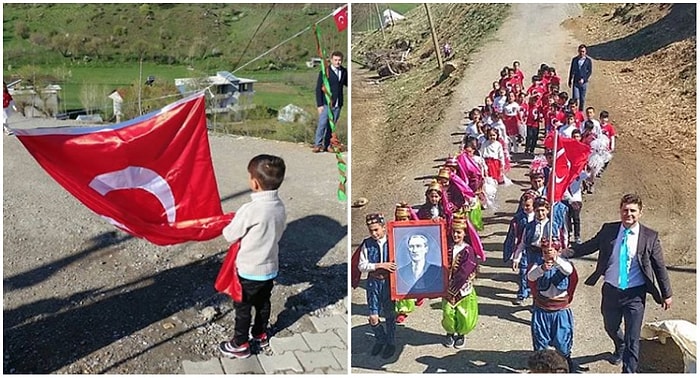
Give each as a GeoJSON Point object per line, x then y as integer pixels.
{"type": "Point", "coordinates": [419, 249]}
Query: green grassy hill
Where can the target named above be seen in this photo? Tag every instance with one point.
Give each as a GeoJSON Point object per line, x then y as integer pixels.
{"type": "Point", "coordinates": [42, 34]}
{"type": "Point", "coordinates": [92, 49]}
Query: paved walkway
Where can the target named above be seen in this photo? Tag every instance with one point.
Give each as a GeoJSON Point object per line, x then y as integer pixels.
{"type": "Point", "coordinates": [322, 352]}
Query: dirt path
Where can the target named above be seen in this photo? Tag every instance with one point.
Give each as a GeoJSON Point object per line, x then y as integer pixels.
{"type": "Point", "coordinates": [501, 341]}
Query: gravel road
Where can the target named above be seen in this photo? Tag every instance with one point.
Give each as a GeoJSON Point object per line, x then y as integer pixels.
{"type": "Point", "coordinates": [82, 297]}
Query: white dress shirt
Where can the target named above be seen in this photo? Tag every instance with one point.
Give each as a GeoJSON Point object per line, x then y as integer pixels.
{"type": "Point", "coordinates": [364, 264]}
{"type": "Point", "coordinates": [635, 277]}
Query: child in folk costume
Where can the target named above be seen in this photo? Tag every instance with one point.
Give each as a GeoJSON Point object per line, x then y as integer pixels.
{"type": "Point", "coordinates": [459, 307]}
{"type": "Point", "coordinates": [553, 280]}
{"type": "Point", "coordinates": [537, 175]}
{"type": "Point", "coordinates": [374, 260]}
{"type": "Point", "coordinates": [477, 174]}
{"type": "Point", "coordinates": [524, 215]}
{"type": "Point", "coordinates": [492, 152]}
{"type": "Point", "coordinates": [432, 208]}
{"type": "Point", "coordinates": [453, 198]}
{"type": "Point", "coordinates": [599, 154]}
{"type": "Point", "coordinates": [529, 250]}
{"type": "Point", "coordinates": [403, 307]}
{"type": "Point", "coordinates": [460, 179]}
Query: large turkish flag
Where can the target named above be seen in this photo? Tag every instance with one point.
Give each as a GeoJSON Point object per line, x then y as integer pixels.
{"type": "Point", "coordinates": [151, 176]}
{"type": "Point", "coordinates": [570, 159]}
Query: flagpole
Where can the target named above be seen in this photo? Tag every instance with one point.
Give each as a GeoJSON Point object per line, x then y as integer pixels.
{"type": "Point", "coordinates": [553, 180]}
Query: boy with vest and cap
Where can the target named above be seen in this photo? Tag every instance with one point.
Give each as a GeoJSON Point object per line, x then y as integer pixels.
{"type": "Point", "coordinates": [403, 307]}
{"type": "Point", "coordinates": [529, 249]}
{"type": "Point", "coordinates": [552, 281]}
{"type": "Point", "coordinates": [459, 306]}
{"type": "Point", "coordinates": [374, 260]}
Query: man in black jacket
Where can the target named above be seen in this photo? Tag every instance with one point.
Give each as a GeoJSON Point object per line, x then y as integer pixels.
{"type": "Point", "coordinates": [627, 284]}
{"type": "Point", "coordinates": [579, 73]}
{"type": "Point", "coordinates": [337, 78]}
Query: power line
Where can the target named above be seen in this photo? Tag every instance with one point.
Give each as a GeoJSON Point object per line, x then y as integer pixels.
{"type": "Point", "coordinates": [282, 43]}
{"type": "Point", "coordinates": [254, 34]}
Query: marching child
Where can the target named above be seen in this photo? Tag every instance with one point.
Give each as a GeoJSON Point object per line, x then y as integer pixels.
{"type": "Point", "coordinates": [524, 215]}
{"type": "Point", "coordinates": [553, 281]}
{"type": "Point", "coordinates": [432, 208]}
{"type": "Point", "coordinates": [492, 152]}
{"type": "Point", "coordinates": [512, 121]}
{"type": "Point", "coordinates": [609, 131]}
{"type": "Point", "coordinates": [533, 119]}
{"type": "Point", "coordinates": [459, 307]}
{"type": "Point", "coordinates": [258, 225]}
{"type": "Point", "coordinates": [529, 250]}
{"type": "Point", "coordinates": [374, 260]}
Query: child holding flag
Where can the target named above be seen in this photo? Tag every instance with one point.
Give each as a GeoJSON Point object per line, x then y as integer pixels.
{"type": "Point", "coordinates": [258, 225]}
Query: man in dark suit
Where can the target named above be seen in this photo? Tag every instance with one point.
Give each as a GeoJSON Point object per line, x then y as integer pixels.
{"type": "Point", "coordinates": [579, 72]}
{"type": "Point", "coordinates": [419, 276]}
{"type": "Point", "coordinates": [627, 284]}
{"type": "Point", "coordinates": [337, 79]}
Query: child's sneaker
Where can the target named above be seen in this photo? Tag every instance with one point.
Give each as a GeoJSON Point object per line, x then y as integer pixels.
{"type": "Point", "coordinates": [459, 341]}
{"type": "Point", "coordinates": [231, 350]}
{"type": "Point", "coordinates": [419, 302]}
{"type": "Point", "coordinates": [262, 340]}
{"type": "Point", "coordinates": [448, 341]}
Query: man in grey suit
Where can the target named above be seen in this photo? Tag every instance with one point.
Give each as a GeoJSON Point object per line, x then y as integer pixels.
{"type": "Point", "coordinates": [419, 276]}
{"type": "Point", "coordinates": [627, 284]}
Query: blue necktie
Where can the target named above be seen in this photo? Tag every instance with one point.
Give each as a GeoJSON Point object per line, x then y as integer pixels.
{"type": "Point", "coordinates": [623, 260]}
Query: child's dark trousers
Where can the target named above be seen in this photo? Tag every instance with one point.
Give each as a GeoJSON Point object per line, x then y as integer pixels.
{"type": "Point", "coordinates": [256, 294]}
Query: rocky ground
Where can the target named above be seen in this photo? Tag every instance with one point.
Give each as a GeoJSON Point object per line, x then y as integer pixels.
{"type": "Point", "coordinates": [81, 297]}
{"type": "Point", "coordinates": [501, 341]}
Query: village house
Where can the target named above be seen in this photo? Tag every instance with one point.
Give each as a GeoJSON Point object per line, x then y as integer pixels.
{"type": "Point", "coordinates": [230, 94]}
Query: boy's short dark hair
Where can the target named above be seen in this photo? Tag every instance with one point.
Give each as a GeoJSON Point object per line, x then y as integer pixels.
{"type": "Point", "coordinates": [547, 361]}
{"type": "Point", "coordinates": [631, 198]}
{"type": "Point", "coordinates": [268, 170]}
{"type": "Point", "coordinates": [604, 114]}
{"type": "Point", "coordinates": [337, 53]}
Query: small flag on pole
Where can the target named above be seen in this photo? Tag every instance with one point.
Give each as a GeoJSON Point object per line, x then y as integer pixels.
{"type": "Point", "coordinates": [341, 18]}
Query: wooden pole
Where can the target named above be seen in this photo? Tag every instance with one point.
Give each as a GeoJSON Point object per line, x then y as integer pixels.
{"type": "Point", "coordinates": [553, 180]}
{"type": "Point", "coordinates": [140, 82]}
{"type": "Point", "coordinates": [381, 23]}
{"type": "Point", "coordinates": [435, 41]}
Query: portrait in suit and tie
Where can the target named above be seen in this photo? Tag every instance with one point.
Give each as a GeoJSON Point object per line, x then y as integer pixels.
{"type": "Point", "coordinates": [418, 250]}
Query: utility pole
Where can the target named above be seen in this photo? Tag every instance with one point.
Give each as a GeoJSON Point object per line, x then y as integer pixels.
{"type": "Point", "coordinates": [381, 22]}
{"type": "Point", "coordinates": [435, 41]}
{"type": "Point", "coordinates": [140, 81]}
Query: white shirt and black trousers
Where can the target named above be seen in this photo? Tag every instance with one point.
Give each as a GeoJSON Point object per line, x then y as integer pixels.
{"type": "Point", "coordinates": [337, 79]}
{"type": "Point", "coordinates": [624, 291]}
